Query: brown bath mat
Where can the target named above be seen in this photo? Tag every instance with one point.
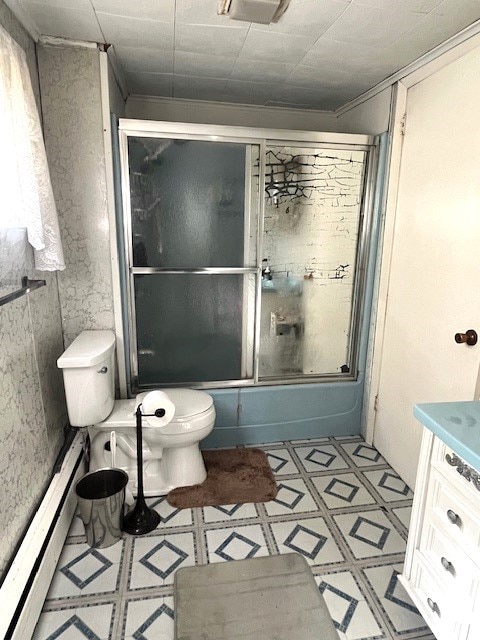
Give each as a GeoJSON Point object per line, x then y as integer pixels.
{"type": "Point", "coordinates": [234, 476]}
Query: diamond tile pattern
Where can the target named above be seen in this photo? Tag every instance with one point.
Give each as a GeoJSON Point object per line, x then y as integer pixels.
{"type": "Point", "coordinates": [339, 505]}
{"type": "Point", "coordinates": [321, 457]}
{"type": "Point", "coordinates": [342, 490]}
{"type": "Point", "coordinates": [154, 560]}
{"type": "Point", "coordinates": [388, 484]}
{"type": "Point", "coordinates": [319, 55]}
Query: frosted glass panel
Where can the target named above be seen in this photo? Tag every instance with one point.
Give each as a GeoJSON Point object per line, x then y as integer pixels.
{"type": "Point", "coordinates": [187, 202]}
{"type": "Point", "coordinates": [190, 327]}
{"type": "Point", "coordinates": [310, 241]}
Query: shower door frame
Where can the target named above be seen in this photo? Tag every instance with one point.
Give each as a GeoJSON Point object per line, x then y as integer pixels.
{"type": "Point", "coordinates": [261, 138]}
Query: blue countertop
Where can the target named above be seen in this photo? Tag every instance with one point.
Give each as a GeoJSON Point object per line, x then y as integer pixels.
{"type": "Point", "coordinates": [457, 424]}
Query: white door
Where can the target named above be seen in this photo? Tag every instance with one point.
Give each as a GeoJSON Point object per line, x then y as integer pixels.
{"type": "Point", "coordinates": [434, 286]}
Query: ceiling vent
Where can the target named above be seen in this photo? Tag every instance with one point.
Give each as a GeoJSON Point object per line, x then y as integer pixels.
{"type": "Point", "coordinates": [260, 11]}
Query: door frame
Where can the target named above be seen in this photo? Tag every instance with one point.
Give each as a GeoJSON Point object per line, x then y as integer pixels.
{"type": "Point", "coordinates": [398, 125]}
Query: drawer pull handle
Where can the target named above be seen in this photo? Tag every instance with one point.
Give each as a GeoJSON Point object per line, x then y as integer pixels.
{"type": "Point", "coordinates": [433, 606]}
{"type": "Point", "coordinates": [448, 566]}
{"type": "Point", "coordinates": [453, 517]}
{"type": "Point", "coordinates": [464, 470]}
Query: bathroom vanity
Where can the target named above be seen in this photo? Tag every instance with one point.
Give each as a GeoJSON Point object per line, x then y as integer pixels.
{"type": "Point", "coordinates": [442, 563]}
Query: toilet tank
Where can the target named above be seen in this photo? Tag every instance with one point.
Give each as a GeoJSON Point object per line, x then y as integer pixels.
{"type": "Point", "coordinates": [89, 377]}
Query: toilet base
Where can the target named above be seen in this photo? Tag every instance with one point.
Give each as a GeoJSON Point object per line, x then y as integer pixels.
{"type": "Point", "coordinates": [177, 466]}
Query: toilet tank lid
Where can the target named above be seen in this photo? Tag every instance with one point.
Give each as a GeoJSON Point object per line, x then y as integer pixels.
{"type": "Point", "coordinates": [88, 349]}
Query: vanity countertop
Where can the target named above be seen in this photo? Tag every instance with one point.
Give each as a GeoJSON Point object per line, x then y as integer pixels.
{"type": "Point", "coordinates": [455, 423]}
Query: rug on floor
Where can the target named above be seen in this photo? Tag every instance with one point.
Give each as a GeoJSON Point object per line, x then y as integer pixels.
{"type": "Point", "coordinates": [234, 476]}
{"type": "Point", "coordinates": [271, 598]}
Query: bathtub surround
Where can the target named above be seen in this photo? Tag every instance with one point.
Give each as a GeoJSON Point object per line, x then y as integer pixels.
{"type": "Point", "coordinates": [250, 415]}
{"type": "Point", "coordinates": [32, 403]}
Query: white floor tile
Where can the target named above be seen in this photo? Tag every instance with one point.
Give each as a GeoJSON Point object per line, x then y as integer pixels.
{"type": "Point", "coordinates": [310, 537]}
{"type": "Point", "coordinates": [403, 514]}
{"type": "Point", "coordinates": [76, 528]}
{"type": "Point", "coordinates": [292, 497]}
{"type": "Point", "coordinates": [370, 534]}
{"type": "Point", "coordinates": [396, 604]}
{"type": "Point", "coordinates": [235, 543]}
{"type": "Point", "coordinates": [85, 571]}
{"type": "Point", "coordinates": [156, 558]}
{"type": "Point", "coordinates": [281, 462]}
{"type": "Point", "coordinates": [350, 611]}
{"type": "Point", "coordinates": [320, 457]}
{"type": "Point", "coordinates": [150, 619]}
{"type": "Point", "coordinates": [362, 454]}
{"type": "Point", "coordinates": [389, 485]}
{"type": "Point", "coordinates": [229, 512]}
{"type": "Point", "coordinates": [170, 516]}
{"type": "Point", "coordinates": [342, 490]}
{"type": "Point", "coordinates": [94, 621]}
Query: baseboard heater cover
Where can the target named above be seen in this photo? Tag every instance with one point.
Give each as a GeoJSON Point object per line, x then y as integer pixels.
{"type": "Point", "coordinates": [26, 584]}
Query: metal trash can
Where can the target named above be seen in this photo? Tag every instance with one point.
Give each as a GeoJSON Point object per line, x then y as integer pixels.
{"type": "Point", "coordinates": [101, 499]}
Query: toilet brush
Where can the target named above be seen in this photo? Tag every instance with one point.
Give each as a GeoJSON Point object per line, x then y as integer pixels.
{"type": "Point", "coordinates": [141, 519]}
{"type": "Point", "coordinates": [113, 449]}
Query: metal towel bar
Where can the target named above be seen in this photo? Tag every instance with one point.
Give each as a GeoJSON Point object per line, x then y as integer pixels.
{"type": "Point", "coordinates": [27, 286]}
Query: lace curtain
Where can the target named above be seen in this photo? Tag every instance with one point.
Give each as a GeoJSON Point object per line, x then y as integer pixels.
{"type": "Point", "coordinates": [26, 197]}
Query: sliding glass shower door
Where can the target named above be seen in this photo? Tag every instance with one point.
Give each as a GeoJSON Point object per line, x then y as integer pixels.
{"type": "Point", "coordinates": [245, 256]}
{"type": "Point", "coordinates": [313, 208]}
{"type": "Point", "coordinates": [192, 248]}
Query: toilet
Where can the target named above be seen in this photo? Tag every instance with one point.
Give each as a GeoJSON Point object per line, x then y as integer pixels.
{"type": "Point", "coordinates": [171, 453]}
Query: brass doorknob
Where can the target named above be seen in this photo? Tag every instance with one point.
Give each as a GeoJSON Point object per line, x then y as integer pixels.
{"type": "Point", "coordinates": [470, 337]}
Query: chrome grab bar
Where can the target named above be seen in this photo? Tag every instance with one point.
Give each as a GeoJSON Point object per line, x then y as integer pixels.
{"type": "Point", "coordinates": [27, 286]}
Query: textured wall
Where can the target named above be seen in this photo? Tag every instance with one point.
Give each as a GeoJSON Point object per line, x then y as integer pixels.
{"type": "Point", "coordinates": [32, 403]}
{"type": "Point", "coordinates": [72, 115]}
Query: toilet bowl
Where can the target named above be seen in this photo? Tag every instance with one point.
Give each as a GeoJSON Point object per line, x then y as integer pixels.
{"type": "Point", "coordinates": [171, 453]}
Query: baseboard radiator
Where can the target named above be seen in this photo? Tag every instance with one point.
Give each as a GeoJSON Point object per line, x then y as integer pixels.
{"type": "Point", "coordinates": [26, 584]}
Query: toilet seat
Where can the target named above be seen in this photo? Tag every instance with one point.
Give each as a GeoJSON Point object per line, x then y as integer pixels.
{"type": "Point", "coordinates": [193, 411]}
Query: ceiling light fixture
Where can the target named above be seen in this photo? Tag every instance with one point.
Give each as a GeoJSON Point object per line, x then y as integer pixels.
{"type": "Point", "coordinates": [260, 11]}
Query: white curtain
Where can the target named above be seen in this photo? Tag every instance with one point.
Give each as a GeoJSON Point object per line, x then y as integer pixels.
{"type": "Point", "coordinates": [26, 197]}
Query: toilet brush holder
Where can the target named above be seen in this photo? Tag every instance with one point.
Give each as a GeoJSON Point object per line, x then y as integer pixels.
{"type": "Point", "coordinates": [142, 519]}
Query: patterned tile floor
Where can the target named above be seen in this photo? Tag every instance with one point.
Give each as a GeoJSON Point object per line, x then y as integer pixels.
{"type": "Point", "coordinates": [339, 504]}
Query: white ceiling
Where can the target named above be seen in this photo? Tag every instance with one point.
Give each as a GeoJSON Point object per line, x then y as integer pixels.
{"type": "Point", "coordinates": [321, 55]}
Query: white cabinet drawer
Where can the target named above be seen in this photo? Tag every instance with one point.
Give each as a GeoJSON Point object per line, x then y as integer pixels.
{"type": "Point", "coordinates": [444, 612]}
{"type": "Point", "coordinates": [455, 568]}
{"type": "Point", "coordinates": [460, 520]}
{"type": "Point", "coordinates": [454, 467]}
